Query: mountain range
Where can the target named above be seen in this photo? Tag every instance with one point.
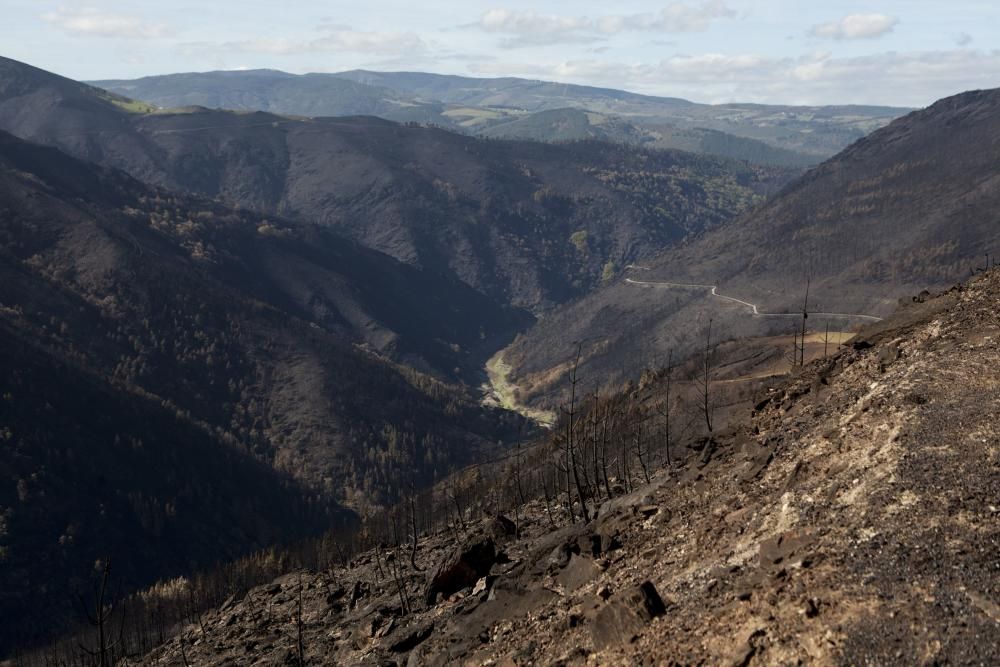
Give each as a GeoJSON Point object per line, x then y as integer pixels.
{"type": "Point", "coordinates": [532, 225]}
{"type": "Point", "coordinates": [526, 109]}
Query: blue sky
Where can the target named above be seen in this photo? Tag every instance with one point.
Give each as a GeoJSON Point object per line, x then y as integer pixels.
{"type": "Point", "coordinates": [906, 53]}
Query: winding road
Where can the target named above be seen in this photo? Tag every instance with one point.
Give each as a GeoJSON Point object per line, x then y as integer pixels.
{"type": "Point", "coordinates": [714, 291]}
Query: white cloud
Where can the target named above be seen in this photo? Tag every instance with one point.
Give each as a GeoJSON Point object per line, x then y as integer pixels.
{"type": "Point", "coordinates": [675, 17]}
{"type": "Point", "coordinates": [338, 39]}
{"type": "Point", "coordinates": [525, 28]}
{"type": "Point", "coordinates": [963, 39]}
{"type": "Point", "coordinates": [856, 26]}
{"type": "Point", "coordinates": [897, 79]}
{"type": "Point", "coordinates": [93, 22]}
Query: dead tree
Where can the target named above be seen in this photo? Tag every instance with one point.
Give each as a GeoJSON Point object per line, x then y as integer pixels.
{"type": "Point", "coordinates": [101, 619]}
{"type": "Point", "coordinates": [637, 431]}
{"type": "Point", "coordinates": [594, 410]}
{"type": "Point", "coordinates": [665, 408]}
{"type": "Point", "coordinates": [300, 647]}
{"type": "Point", "coordinates": [397, 577]}
{"type": "Point", "coordinates": [458, 507]}
{"type": "Point", "coordinates": [572, 471]}
{"type": "Point", "coordinates": [548, 498]}
{"type": "Point", "coordinates": [413, 531]}
{"type": "Point", "coordinates": [805, 317]}
{"type": "Point", "coordinates": [706, 380]}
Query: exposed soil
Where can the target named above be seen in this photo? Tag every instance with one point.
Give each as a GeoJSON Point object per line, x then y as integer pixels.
{"type": "Point", "coordinates": [855, 519]}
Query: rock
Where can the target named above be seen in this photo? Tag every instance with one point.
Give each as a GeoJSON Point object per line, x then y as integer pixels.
{"type": "Point", "coordinates": [359, 591]}
{"type": "Point", "coordinates": [789, 548]}
{"type": "Point", "coordinates": [407, 638]}
{"type": "Point", "coordinates": [648, 510]}
{"type": "Point", "coordinates": [608, 530]}
{"type": "Point", "coordinates": [579, 572]}
{"type": "Point", "coordinates": [484, 585]}
{"type": "Point", "coordinates": [887, 355]}
{"type": "Point", "coordinates": [560, 557]}
{"type": "Point", "coordinates": [502, 529]}
{"type": "Point", "coordinates": [463, 569]}
{"type": "Point", "coordinates": [810, 609]}
{"type": "Point", "coordinates": [624, 618]}
{"type": "Point", "coordinates": [757, 458]}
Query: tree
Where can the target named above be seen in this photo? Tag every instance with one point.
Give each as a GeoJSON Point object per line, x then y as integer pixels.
{"type": "Point", "coordinates": [706, 379]}
{"type": "Point", "coordinates": [805, 317]}
{"type": "Point", "coordinates": [572, 471]}
{"type": "Point", "coordinates": [103, 611]}
{"type": "Point", "coordinates": [665, 407]}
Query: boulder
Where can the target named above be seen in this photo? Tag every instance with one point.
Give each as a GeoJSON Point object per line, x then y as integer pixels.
{"type": "Point", "coordinates": [625, 616]}
{"type": "Point", "coordinates": [466, 566]}
{"type": "Point", "coordinates": [578, 572]}
{"type": "Point", "coordinates": [407, 638]}
{"type": "Point", "coordinates": [502, 529]}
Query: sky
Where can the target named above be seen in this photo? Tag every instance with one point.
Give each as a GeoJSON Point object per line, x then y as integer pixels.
{"type": "Point", "coordinates": [891, 52]}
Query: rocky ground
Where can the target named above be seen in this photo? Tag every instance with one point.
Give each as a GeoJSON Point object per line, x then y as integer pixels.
{"type": "Point", "coordinates": [855, 519]}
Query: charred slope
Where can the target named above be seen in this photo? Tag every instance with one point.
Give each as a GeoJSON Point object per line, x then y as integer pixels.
{"type": "Point", "coordinates": [912, 206]}
{"type": "Point", "coordinates": [850, 520]}
{"type": "Point", "coordinates": [93, 470]}
{"type": "Point", "coordinates": [184, 383]}
{"type": "Point", "coordinates": [530, 225]}
{"type": "Point", "coordinates": [284, 340]}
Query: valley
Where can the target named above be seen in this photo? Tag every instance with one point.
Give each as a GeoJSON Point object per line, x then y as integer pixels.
{"type": "Point", "coordinates": [500, 392]}
{"type": "Point", "coordinates": [381, 368]}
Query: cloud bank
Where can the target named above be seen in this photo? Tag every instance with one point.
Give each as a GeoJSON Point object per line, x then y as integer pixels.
{"type": "Point", "coordinates": [856, 26]}
{"type": "Point", "coordinates": [95, 23]}
{"type": "Point", "coordinates": [897, 79]}
{"type": "Point", "coordinates": [529, 28]}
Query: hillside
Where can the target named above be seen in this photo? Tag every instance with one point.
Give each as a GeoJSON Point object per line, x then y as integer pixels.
{"type": "Point", "coordinates": [848, 520]}
{"type": "Point", "coordinates": [564, 125]}
{"type": "Point", "coordinates": [272, 91]}
{"type": "Point", "coordinates": [282, 335]}
{"type": "Point", "coordinates": [816, 131]}
{"type": "Point", "coordinates": [477, 105]}
{"type": "Point", "coordinates": [910, 207]}
{"type": "Point", "coordinates": [576, 124]}
{"type": "Point", "coordinates": [530, 225]}
{"type": "Point", "coordinates": [177, 373]}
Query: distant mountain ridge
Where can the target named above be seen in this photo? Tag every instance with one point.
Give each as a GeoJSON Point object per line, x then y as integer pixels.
{"type": "Point", "coordinates": [531, 225]}
{"type": "Point", "coordinates": [480, 105]}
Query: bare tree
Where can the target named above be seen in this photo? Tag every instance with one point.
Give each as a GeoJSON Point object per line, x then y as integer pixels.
{"type": "Point", "coordinates": [104, 609]}
{"type": "Point", "coordinates": [665, 407]}
{"type": "Point", "coordinates": [300, 647]}
{"type": "Point", "coordinates": [411, 505]}
{"type": "Point", "coordinates": [805, 317]}
{"type": "Point", "coordinates": [706, 379]}
{"type": "Point", "coordinates": [572, 471]}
